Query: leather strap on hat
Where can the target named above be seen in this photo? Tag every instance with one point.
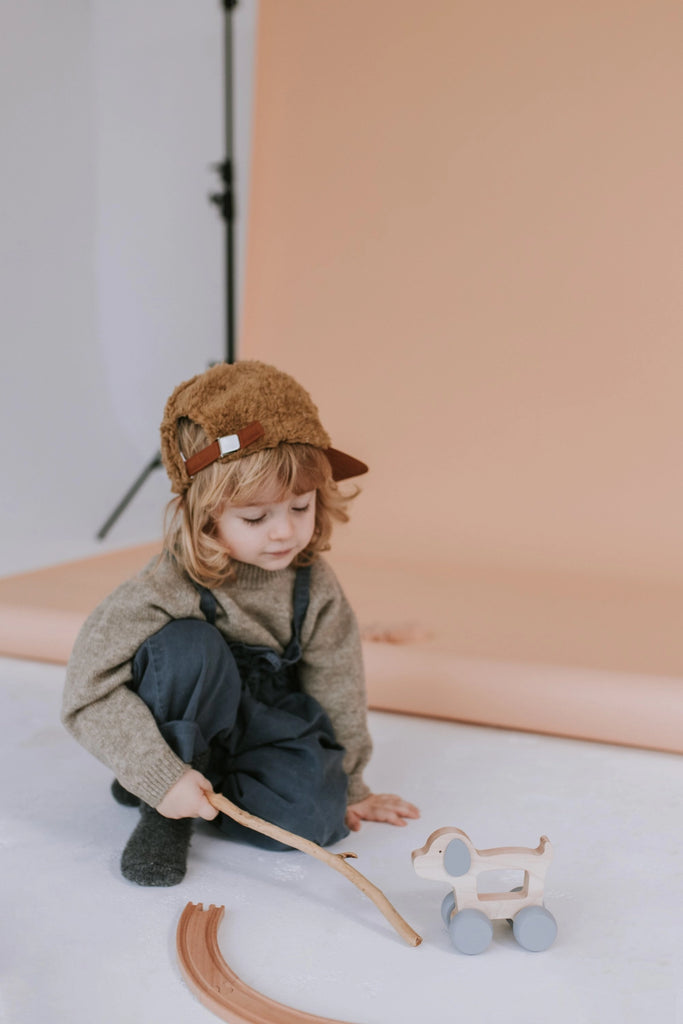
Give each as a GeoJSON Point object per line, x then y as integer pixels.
{"type": "Point", "coordinates": [224, 446]}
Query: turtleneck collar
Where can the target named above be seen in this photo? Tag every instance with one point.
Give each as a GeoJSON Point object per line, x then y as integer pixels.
{"type": "Point", "coordinates": [253, 577]}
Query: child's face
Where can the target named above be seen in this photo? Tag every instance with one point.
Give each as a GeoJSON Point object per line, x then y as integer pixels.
{"type": "Point", "coordinates": [269, 534]}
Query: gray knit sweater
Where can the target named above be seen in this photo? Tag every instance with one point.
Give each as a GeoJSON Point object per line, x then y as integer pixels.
{"type": "Point", "coordinates": [114, 724]}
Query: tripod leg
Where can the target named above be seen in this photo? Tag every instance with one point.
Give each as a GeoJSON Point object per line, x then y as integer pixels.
{"type": "Point", "coordinates": [128, 496]}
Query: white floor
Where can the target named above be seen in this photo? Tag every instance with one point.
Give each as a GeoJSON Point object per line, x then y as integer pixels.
{"type": "Point", "coordinates": [79, 944]}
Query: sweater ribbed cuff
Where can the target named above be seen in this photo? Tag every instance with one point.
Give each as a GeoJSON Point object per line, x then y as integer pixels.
{"type": "Point", "coordinates": [159, 777]}
{"type": "Point", "coordinates": [357, 791]}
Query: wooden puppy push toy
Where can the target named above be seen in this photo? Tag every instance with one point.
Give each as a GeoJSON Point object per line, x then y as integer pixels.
{"type": "Point", "coordinates": [449, 856]}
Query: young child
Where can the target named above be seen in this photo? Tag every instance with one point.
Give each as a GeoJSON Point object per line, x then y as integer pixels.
{"type": "Point", "coordinates": [233, 662]}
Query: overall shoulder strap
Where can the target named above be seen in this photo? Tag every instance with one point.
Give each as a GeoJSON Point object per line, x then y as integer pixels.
{"type": "Point", "coordinates": [207, 601]}
{"type": "Point", "coordinates": [207, 604]}
{"type": "Point", "coordinates": [302, 593]}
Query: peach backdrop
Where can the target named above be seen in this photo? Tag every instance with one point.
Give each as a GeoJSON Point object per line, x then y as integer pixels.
{"type": "Point", "coordinates": [465, 238]}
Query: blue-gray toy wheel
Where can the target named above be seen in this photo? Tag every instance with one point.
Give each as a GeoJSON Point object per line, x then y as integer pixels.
{"type": "Point", "coordinates": [447, 907]}
{"type": "Point", "coordinates": [470, 931]}
{"type": "Point", "coordinates": [535, 929]}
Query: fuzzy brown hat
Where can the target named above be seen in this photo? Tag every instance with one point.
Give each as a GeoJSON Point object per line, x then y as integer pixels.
{"type": "Point", "coordinates": [244, 407]}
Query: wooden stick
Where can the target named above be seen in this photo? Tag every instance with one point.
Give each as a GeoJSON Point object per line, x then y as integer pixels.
{"type": "Point", "coordinates": [334, 860]}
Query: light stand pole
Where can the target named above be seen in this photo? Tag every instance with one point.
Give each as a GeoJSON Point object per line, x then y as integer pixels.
{"type": "Point", "coordinates": [225, 201]}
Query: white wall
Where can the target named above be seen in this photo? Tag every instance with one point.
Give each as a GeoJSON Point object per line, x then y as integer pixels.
{"type": "Point", "coordinates": [111, 255]}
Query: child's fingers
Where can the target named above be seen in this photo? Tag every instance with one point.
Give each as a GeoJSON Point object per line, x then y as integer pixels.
{"type": "Point", "coordinates": [393, 819]}
{"type": "Point", "coordinates": [397, 805]}
{"type": "Point", "coordinates": [206, 810]}
{"type": "Point", "coordinates": [409, 810]}
{"type": "Point", "coordinates": [187, 798]}
{"type": "Point", "coordinates": [384, 807]}
{"type": "Point", "coordinates": [353, 820]}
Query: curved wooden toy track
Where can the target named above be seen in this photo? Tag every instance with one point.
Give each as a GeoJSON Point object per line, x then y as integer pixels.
{"type": "Point", "coordinates": [216, 985]}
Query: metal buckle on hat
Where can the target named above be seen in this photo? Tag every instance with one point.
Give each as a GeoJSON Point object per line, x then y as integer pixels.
{"type": "Point", "coordinates": [229, 443]}
{"type": "Point", "coordinates": [223, 446]}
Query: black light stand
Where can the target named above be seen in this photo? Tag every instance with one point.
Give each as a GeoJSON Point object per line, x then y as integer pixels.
{"type": "Point", "coordinates": [225, 201]}
{"type": "Point", "coordinates": [128, 497]}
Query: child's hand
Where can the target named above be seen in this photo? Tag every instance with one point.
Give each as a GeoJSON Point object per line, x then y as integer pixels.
{"type": "Point", "coordinates": [187, 798]}
{"type": "Point", "coordinates": [380, 807]}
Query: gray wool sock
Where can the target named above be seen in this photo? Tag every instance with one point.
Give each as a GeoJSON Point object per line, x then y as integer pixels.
{"type": "Point", "coordinates": [156, 853]}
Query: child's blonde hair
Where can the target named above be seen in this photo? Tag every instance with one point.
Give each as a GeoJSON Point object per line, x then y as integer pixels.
{"type": "Point", "coordinates": [272, 473]}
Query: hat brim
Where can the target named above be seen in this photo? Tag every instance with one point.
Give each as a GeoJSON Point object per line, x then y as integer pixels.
{"type": "Point", "coordinates": [344, 466]}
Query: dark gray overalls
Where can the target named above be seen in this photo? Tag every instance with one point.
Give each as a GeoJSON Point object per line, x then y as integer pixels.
{"type": "Point", "coordinates": [271, 748]}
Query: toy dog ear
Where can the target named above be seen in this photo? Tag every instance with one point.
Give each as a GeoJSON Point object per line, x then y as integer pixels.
{"type": "Point", "coordinates": [456, 858]}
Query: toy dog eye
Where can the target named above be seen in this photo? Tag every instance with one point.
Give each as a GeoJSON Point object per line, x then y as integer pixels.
{"type": "Point", "coordinates": [456, 858]}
